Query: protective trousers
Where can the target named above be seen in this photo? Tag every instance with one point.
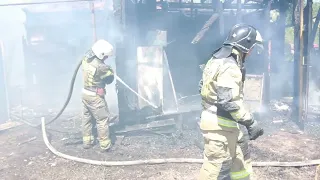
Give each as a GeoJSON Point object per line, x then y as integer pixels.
{"type": "Point", "coordinates": [226, 156]}
{"type": "Point", "coordinates": [95, 111]}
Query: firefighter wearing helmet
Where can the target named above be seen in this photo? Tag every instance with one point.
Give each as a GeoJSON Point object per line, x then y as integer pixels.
{"type": "Point", "coordinates": [96, 75]}
{"type": "Point", "coordinates": [226, 150]}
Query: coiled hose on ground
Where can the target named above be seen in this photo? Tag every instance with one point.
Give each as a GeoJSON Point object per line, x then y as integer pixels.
{"type": "Point", "coordinates": [160, 161]}
{"type": "Point", "coordinates": [139, 162]}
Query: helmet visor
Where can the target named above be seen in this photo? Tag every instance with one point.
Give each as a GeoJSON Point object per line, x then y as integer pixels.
{"type": "Point", "coordinates": [258, 45]}
{"type": "Point", "coordinates": [259, 40]}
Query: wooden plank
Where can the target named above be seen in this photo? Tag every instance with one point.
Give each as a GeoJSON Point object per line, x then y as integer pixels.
{"type": "Point", "coordinates": [205, 28]}
{"type": "Point", "coordinates": [154, 124]}
{"type": "Point", "coordinates": [9, 125]}
{"type": "Point", "coordinates": [174, 114]}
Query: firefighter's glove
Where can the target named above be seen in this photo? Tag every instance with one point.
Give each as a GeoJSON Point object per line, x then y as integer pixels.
{"type": "Point", "coordinates": [254, 130]}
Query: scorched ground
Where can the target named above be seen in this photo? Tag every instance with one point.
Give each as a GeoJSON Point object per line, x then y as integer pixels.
{"type": "Point", "coordinates": [24, 155]}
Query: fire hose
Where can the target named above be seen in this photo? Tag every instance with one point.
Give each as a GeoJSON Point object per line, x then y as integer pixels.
{"type": "Point", "coordinates": [70, 95]}
{"type": "Point", "coordinates": [160, 161]}
{"type": "Point", "coordinates": [139, 162]}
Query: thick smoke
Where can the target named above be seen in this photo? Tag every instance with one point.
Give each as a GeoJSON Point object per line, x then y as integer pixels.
{"type": "Point", "coordinates": [43, 43]}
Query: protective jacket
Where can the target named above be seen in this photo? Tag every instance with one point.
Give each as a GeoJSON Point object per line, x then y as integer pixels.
{"type": "Point", "coordinates": [96, 74]}
{"type": "Point", "coordinates": [222, 91]}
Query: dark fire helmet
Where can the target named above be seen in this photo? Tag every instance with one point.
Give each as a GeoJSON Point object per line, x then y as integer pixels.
{"type": "Point", "coordinates": [244, 37]}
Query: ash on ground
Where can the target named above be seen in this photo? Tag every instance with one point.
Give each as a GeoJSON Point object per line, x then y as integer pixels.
{"type": "Point", "coordinates": [24, 155]}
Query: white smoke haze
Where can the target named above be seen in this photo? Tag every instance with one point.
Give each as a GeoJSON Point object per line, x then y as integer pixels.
{"type": "Point", "coordinates": [57, 36]}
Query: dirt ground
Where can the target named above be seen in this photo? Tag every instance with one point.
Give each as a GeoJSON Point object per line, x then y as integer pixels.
{"type": "Point", "coordinates": [24, 155]}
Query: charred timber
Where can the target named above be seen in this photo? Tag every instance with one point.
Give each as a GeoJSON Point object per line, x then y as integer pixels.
{"type": "Point", "coordinates": [209, 6]}
{"type": "Point", "coordinates": [308, 43]}
{"type": "Point", "coordinates": [210, 12]}
{"type": "Point", "coordinates": [151, 125]}
{"type": "Point", "coordinates": [266, 55]}
{"type": "Point", "coordinates": [243, 6]}
{"type": "Point", "coordinates": [205, 28]}
{"type": "Point", "coordinates": [298, 63]}
{"type": "Point", "coordinates": [47, 2]}
{"type": "Point", "coordinates": [259, 1]}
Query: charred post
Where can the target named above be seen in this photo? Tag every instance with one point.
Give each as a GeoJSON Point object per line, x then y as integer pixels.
{"type": "Point", "coordinates": [266, 55]}
{"type": "Point", "coordinates": [308, 43]}
{"type": "Point", "coordinates": [298, 63]}
{"type": "Point", "coordinates": [221, 17]}
{"type": "Point", "coordinates": [296, 16]}
{"type": "Point", "coordinates": [119, 16]}
{"type": "Point", "coordinates": [301, 64]}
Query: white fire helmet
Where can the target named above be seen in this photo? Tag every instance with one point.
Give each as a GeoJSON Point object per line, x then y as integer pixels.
{"type": "Point", "coordinates": [102, 48]}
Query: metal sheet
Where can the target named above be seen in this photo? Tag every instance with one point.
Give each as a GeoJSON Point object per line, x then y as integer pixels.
{"type": "Point", "coordinates": [150, 75]}
{"type": "Point", "coordinates": [253, 91]}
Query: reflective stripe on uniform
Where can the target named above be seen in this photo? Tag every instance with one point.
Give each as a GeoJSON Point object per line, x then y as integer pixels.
{"type": "Point", "coordinates": [221, 120]}
{"type": "Point", "coordinates": [236, 114]}
{"type": "Point", "coordinates": [108, 73]}
{"type": "Point", "coordinates": [226, 122]}
{"type": "Point", "coordinates": [240, 174]}
{"type": "Point", "coordinates": [105, 144]}
{"type": "Point", "coordinates": [89, 93]}
{"type": "Point", "coordinates": [87, 139]}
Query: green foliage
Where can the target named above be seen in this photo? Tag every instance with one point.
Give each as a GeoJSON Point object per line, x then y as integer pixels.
{"type": "Point", "coordinates": [315, 8]}
{"type": "Point", "coordinates": [289, 37]}
{"type": "Point", "coordinates": [290, 31]}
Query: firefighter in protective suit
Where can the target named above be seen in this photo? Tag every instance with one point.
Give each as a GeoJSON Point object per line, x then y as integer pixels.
{"type": "Point", "coordinates": [226, 153]}
{"type": "Point", "coordinates": [96, 75]}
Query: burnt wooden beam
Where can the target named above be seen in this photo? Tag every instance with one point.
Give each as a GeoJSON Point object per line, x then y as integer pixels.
{"type": "Point", "coordinates": [266, 54]}
{"type": "Point", "coordinates": [9, 125]}
{"type": "Point", "coordinates": [308, 44]}
{"type": "Point", "coordinates": [258, 1]}
{"type": "Point", "coordinates": [297, 114]}
{"type": "Point", "coordinates": [210, 6]}
{"type": "Point", "coordinates": [45, 2]}
{"type": "Point", "coordinates": [153, 124]}
{"type": "Point", "coordinates": [205, 28]}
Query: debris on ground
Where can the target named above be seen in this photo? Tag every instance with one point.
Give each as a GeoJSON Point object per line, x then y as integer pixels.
{"type": "Point", "coordinates": [283, 141]}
